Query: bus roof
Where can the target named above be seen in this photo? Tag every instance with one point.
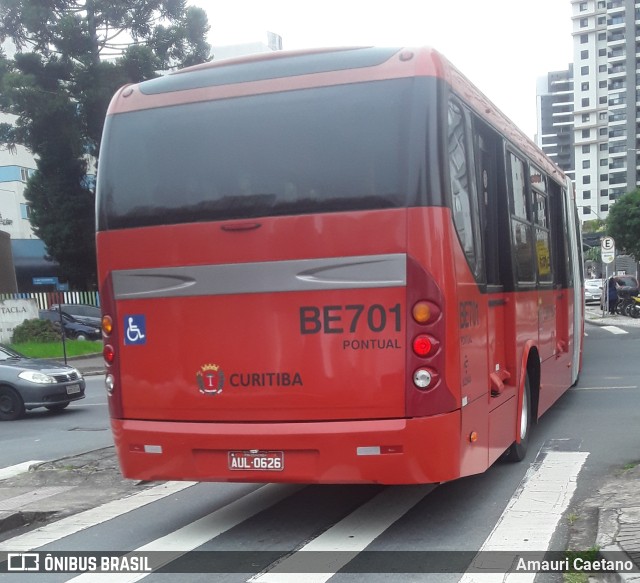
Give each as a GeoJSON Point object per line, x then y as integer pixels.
{"type": "Point", "coordinates": [291, 70]}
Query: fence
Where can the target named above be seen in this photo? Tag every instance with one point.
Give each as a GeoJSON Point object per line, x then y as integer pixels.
{"type": "Point", "coordinates": [46, 299]}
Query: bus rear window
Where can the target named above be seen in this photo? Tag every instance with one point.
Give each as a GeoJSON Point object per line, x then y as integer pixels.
{"type": "Point", "coordinates": [325, 149]}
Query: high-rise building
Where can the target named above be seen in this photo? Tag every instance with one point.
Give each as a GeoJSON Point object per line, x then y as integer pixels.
{"type": "Point", "coordinates": [555, 118]}
{"type": "Point", "coordinates": [606, 40]}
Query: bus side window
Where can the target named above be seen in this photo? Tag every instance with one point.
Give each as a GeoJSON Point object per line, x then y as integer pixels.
{"type": "Point", "coordinates": [464, 205]}
{"type": "Point", "coordinates": [521, 227]}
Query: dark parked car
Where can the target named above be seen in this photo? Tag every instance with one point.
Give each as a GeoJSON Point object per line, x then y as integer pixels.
{"type": "Point", "coordinates": [83, 312]}
{"type": "Point", "coordinates": [28, 383]}
{"type": "Point", "coordinates": [72, 328]}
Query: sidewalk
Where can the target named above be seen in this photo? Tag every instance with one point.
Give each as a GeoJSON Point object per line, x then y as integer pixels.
{"type": "Point", "coordinates": [617, 503]}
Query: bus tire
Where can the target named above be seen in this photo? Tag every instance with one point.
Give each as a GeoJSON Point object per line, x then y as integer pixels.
{"type": "Point", "coordinates": [518, 451]}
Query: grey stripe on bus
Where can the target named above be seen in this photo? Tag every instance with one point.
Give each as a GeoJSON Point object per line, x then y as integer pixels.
{"type": "Point", "coordinates": [364, 271]}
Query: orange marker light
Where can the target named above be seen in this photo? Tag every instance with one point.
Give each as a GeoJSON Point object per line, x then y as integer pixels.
{"type": "Point", "coordinates": [473, 437]}
{"type": "Point", "coordinates": [421, 312]}
{"type": "Point", "coordinates": [107, 325]}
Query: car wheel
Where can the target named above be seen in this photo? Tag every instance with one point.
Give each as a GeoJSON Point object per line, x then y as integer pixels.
{"type": "Point", "coordinates": [57, 406]}
{"type": "Point", "coordinates": [81, 336]}
{"type": "Point", "coordinates": [518, 451]}
{"type": "Point", "coordinates": [11, 404]}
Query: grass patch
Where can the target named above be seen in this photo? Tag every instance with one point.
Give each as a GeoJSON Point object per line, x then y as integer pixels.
{"type": "Point", "coordinates": [54, 349]}
{"type": "Point", "coordinates": [580, 577]}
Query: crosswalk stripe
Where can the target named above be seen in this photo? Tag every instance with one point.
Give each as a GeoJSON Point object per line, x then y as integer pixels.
{"type": "Point", "coordinates": [73, 524]}
{"type": "Point", "coordinates": [191, 536]}
{"type": "Point", "coordinates": [531, 516]}
{"type": "Point", "coordinates": [615, 330]}
{"type": "Point", "coordinates": [349, 536]}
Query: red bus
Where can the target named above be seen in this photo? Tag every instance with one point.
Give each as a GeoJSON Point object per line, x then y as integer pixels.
{"type": "Point", "coordinates": [331, 266]}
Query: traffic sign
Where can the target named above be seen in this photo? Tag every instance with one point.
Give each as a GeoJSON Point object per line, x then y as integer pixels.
{"type": "Point", "coordinates": [608, 249]}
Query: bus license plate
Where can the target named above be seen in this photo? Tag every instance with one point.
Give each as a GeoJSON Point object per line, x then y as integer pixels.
{"type": "Point", "coordinates": [265, 461]}
{"type": "Point", "coordinates": [71, 389]}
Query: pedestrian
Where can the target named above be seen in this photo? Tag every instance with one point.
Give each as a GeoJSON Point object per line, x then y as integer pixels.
{"type": "Point", "coordinates": [612, 294]}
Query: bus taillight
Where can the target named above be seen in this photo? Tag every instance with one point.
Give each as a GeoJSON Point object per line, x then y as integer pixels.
{"type": "Point", "coordinates": [107, 325]}
{"type": "Point", "coordinates": [425, 345]}
{"type": "Point", "coordinates": [109, 354]}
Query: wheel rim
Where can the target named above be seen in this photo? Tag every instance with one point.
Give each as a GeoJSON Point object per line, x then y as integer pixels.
{"type": "Point", "coordinates": [6, 404]}
{"type": "Point", "coordinates": [524, 415]}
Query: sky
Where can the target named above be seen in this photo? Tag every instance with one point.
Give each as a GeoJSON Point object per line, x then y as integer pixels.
{"type": "Point", "coordinates": [502, 46]}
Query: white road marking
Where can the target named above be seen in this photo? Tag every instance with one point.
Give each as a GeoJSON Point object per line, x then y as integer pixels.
{"type": "Point", "coordinates": [83, 520]}
{"type": "Point", "coordinates": [349, 536]}
{"type": "Point", "coordinates": [197, 533]}
{"type": "Point", "coordinates": [531, 516]}
{"type": "Point", "coordinates": [17, 502]}
{"type": "Point", "coordinates": [11, 471]}
{"type": "Point", "coordinates": [614, 330]}
{"type": "Point", "coordinates": [604, 388]}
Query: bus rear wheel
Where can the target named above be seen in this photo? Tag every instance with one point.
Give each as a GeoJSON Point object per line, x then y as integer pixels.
{"type": "Point", "coordinates": [518, 451]}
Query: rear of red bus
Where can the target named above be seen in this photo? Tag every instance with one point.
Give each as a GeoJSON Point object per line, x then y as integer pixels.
{"type": "Point", "coordinates": [273, 248]}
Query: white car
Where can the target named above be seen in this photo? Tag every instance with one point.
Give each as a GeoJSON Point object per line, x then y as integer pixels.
{"type": "Point", "coordinates": [592, 290]}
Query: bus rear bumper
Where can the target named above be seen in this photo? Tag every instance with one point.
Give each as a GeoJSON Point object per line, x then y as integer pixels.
{"type": "Point", "coordinates": [392, 451]}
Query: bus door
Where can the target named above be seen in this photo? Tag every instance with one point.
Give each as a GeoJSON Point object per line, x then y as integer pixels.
{"type": "Point", "coordinates": [488, 147]}
{"type": "Point", "coordinates": [547, 295]}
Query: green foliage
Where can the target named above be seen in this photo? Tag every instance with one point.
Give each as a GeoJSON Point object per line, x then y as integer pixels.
{"type": "Point", "coordinates": [35, 331]}
{"type": "Point", "coordinates": [72, 57]}
{"type": "Point", "coordinates": [594, 226]}
{"type": "Point", "coordinates": [55, 350]}
{"type": "Point", "coordinates": [623, 223]}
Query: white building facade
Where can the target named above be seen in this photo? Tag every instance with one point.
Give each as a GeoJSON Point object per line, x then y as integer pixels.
{"type": "Point", "coordinates": [606, 40]}
{"type": "Point", "coordinates": [16, 165]}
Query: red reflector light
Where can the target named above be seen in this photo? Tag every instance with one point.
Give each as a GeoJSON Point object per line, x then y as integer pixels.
{"type": "Point", "coordinates": [109, 354]}
{"type": "Point", "coordinates": [422, 345]}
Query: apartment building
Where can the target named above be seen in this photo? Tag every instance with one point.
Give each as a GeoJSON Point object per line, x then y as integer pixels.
{"type": "Point", "coordinates": [606, 86]}
{"type": "Point", "coordinates": [555, 118]}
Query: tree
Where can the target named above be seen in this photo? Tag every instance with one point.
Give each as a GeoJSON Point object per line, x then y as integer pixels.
{"type": "Point", "coordinates": [623, 223]}
{"type": "Point", "coordinates": [72, 55]}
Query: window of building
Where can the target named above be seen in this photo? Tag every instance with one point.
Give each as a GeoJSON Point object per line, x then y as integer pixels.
{"type": "Point", "coordinates": [585, 102]}
{"type": "Point", "coordinates": [586, 163]}
{"type": "Point", "coordinates": [584, 39]}
{"type": "Point", "coordinates": [583, 6]}
{"type": "Point", "coordinates": [584, 54]}
{"type": "Point", "coordinates": [603, 162]}
{"type": "Point", "coordinates": [586, 133]}
{"type": "Point", "coordinates": [586, 210]}
{"type": "Point", "coordinates": [584, 22]}
{"type": "Point", "coordinates": [24, 174]}
{"type": "Point", "coordinates": [585, 86]}
{"type": "Point", "coordinates": [604, 207]}
{"type": "Point", "coordinates": [601, 4]}
{"type": "Point", "coordinates": [601, 20]}
{"type": "Point", "coordinates": [586, 179]}
{"type": "Point", "coordinates": [585, 117]}
{"type": "Point", "coordinates": [586, 194]}
{"type": "Point", "coordinates": [584, 70]}
{"type": "Point", "coordinates": [25, 211]}
{"type": "Point", "coordinates": [586, 149]}
{"type": "Point", "coordinates": [602, 36]}
{"type": "Point", "coordinates": [602, 84]}
{"type": "Point", "coordinates": [602, 69]}
{"type": "Point", "coordinates": [604, 178]}
{"type": "Point", "coordinates": [604, 147]}
{"type": "Point", "coordinates": [604, 193]}
{"type": "Point", "coordinates": [602, 99]}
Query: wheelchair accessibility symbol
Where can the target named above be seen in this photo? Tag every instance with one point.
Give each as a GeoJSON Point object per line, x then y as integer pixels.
{"type": "Point", "coordinates": [135, 329]}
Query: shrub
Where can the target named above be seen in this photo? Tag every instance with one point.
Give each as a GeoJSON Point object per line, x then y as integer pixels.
{"type": "Point", "coordinates": [35, 331]}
